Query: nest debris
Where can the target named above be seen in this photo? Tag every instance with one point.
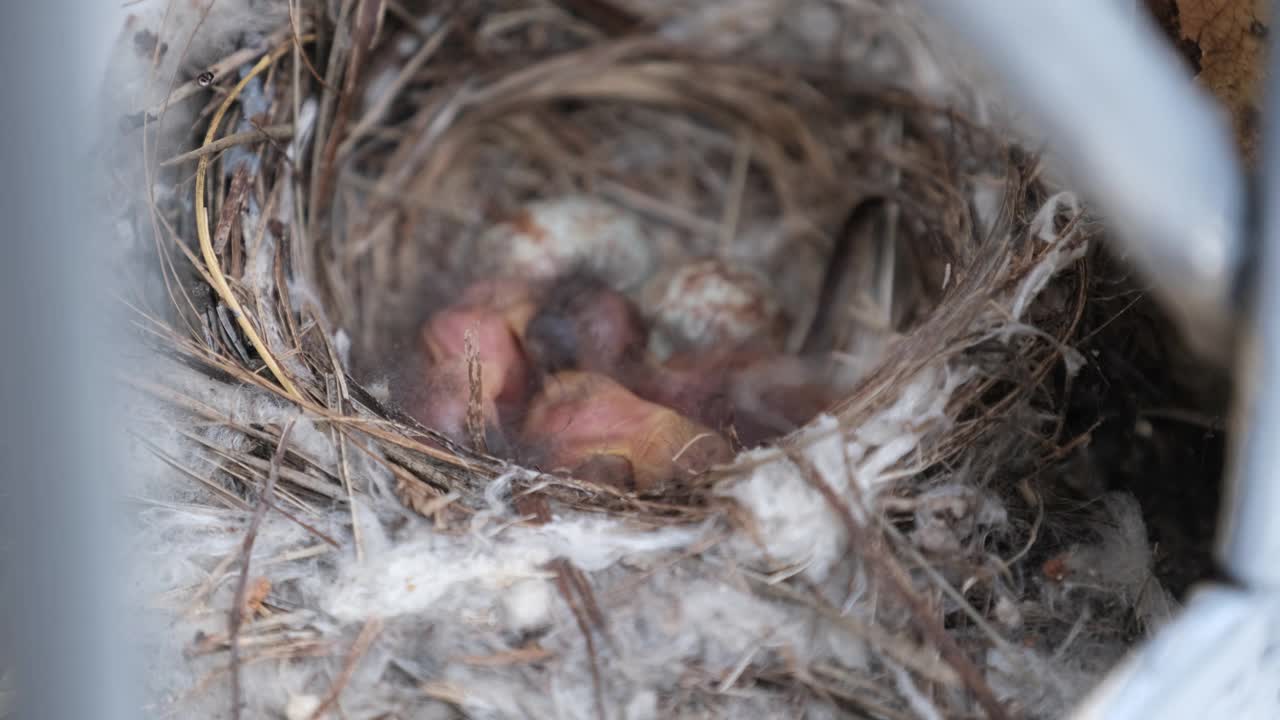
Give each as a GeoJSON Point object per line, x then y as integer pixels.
{"type": "Point", "coordinates": [895, 558]}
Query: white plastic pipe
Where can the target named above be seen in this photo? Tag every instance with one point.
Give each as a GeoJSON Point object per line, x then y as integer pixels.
{"type": "Point", "coordinates": [1219, 659]}
{"type": "Point", "coordinates": [1249, 540]}
{"type": "Point", "coordinates": [64, 632]}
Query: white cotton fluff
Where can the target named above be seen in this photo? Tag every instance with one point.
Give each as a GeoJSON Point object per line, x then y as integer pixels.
{"type": "Point", "coordinates": [432, 573]}
{"type": "Point", "coordinates": [1121, 561]}
{"type": "Point", "coordinates": [794, 524]}
{"type": "Point", "coordinates": [1066, 249]}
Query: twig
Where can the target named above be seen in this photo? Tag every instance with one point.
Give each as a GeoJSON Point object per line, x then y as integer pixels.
{"type": "Point", "coordinates": [339, 44]}
{"type": "Point", "coordinates": [475, 399]}
{"type": "Point", "coordinates": [359, 39]}
{"type": "Point", "coordinates": [229, 215]}
{"type": "Point", "coordinates": [367, 635]}
{"type": "Point", "coordinates": [271, 132]}
{"type": "Point", "coordinates": [566, 582]}
{"type": "Point", "coordinates": [343, 397]}
{"type": "Point", "coordinates": [380, 107]}
{"type": "Point", "coordinates": [228, 498]}
{"type": "Point", "coordinates": [295, 35]}
{"type": "Point", "coordinates": [242, 584]}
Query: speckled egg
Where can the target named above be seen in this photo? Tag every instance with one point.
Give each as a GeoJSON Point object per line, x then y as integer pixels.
{"type": "Point", "coordinates": [549, 237]}
{"type": "Point", "coordinates": [708, 304]}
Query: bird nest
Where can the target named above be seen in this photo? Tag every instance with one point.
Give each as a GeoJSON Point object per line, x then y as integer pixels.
{"type": "Point", "coordinates": [887, 558]}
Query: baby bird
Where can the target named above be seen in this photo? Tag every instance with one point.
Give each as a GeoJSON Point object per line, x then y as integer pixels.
{"type": "Point", "coordinates": [594, 427]}
{"type": "Point", "coordinates": [583, 324]}
{"type": "Point", "coordinates": [490, 316]}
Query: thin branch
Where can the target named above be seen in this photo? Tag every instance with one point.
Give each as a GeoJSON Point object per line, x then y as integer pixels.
{"type": "Point", "coordinates": [359, 647]}
{"type": "Point", "coordinates": [242, 584]}
{"type": "Point", "coordinates": [271, 132]}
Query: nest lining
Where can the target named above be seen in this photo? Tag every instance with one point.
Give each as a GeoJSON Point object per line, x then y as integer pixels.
{"type": "Point", "coordinates": [877, 562]}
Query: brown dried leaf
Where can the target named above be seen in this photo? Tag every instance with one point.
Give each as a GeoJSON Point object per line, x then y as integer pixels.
{"type": "Point", "coordinates": [1231, 39]}
{"type": "Point", "coordinates": [259, 589]}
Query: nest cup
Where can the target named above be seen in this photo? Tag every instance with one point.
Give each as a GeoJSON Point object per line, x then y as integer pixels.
{"type": "Point", "coordinates": [855, 200]}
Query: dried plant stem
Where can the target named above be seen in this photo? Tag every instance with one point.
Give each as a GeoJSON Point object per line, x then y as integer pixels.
{"type": "Point", "coordinates": [475, 400]}
{"type": "Point", "coordinates": [363, 641]}
{"type": "Point", "coordinates": [242, 584]}
{"type": "Point", "coordinates": [273, 132]}
{"type": "Point", "coordinates": [216, 278]}
{"type": "Point", "coordinates": [585, 613]}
